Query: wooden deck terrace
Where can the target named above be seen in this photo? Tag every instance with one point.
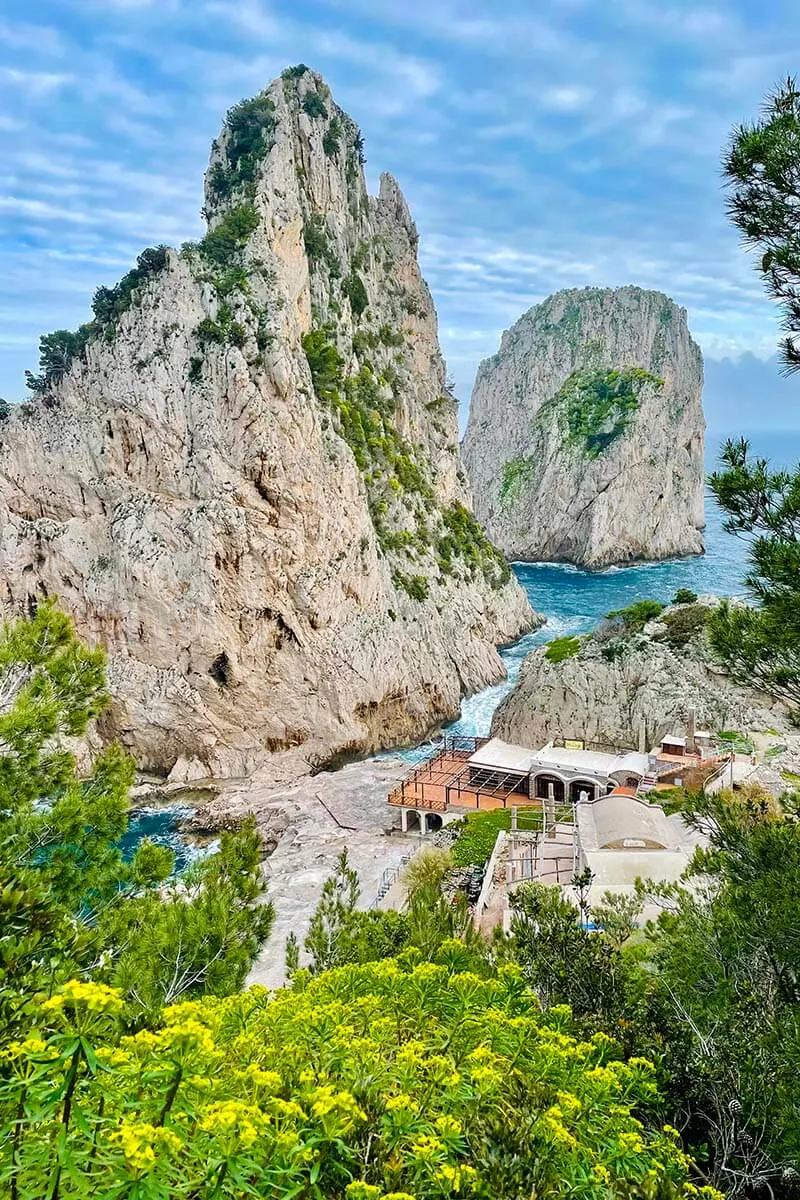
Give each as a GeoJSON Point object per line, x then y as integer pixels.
{"type": "Point", "coordinates": [443, 782]}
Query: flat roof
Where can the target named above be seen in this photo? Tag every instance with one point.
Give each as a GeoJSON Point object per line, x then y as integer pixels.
{"type": "Point", "coordinates": [673, 741]}
{"type": "Point", "coordinates": [595, 761]}
{"type": "Point", "coordinates": [497, 755]}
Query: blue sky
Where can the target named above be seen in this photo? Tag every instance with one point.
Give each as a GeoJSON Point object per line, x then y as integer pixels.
{"type": "Point", "coordinates": [541, 144]}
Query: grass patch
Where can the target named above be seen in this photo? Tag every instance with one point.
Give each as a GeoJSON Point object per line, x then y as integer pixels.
{"type": "Point", "coordinates": [561, 648]}
{"type": "Point", "coordinates": [736, 741]}
{"type": "Point", "coordinates": [479, 833]}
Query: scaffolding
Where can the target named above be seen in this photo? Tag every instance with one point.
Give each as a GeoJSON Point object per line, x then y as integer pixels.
{"type": "Point", "coordinates": [543, 847]}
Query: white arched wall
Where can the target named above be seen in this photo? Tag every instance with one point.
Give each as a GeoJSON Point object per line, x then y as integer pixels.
{"type": "Point", "coordinates": [593, 786]}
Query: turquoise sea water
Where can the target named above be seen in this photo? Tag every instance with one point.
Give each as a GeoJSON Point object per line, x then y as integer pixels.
{"type": "Point", "coordinates": [160, 825]}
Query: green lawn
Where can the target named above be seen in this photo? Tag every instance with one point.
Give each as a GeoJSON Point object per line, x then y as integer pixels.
{"type": "Point", "coordinates": [479, 834]}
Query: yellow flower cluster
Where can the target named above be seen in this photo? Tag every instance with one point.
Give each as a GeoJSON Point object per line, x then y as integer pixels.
{"type": "Point", "coordinates": [144, 1145]}
{"type": "Point", "coordinates": [457, 1178]}
{"type": "Point", "coordinates": [92, 997]}
{"type": "Point", "coordinates": [555, 1129]}
{"type": "Point", "coordinates": [362, 1191]}
{"type": "Point", "coordinates": [235, 1121]}
{"type": "Point", "coordinates": [286, 1080]}
{"type": "Point", "coordinates": [30, 1048]}
{"type": "Point", "coordinates": [327, 1101]}
{"type": "Point", "coordinates": [402, 1102]}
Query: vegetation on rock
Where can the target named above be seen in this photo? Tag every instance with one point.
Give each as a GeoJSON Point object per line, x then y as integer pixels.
{"type": "Point", "coordinates": [58, 350]}
{"type": "Point", "coordinates": [353, 288]}
{"type": "Point", "coordinates": [598, 405]}
{"type": "Point", "coordinates": [516, 472]}
{"type": "Point", "coordinates": [364, 414]}
{"type": "Point", "coordinates": [221, 244]}
{"type": "Point", "coordinates": [561, 648]}
{"type": "Point", "coordinates": [636, 615]}
{"type": "Point", "coordinates": [685, 624]}
{"type": "Point", "coordinates": [314, 105]}
{"type": "Point", "coordinates": [249, 129]}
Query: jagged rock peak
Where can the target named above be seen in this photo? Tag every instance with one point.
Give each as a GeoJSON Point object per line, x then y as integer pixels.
{"type": "Point", "coordinates": [242, 475]}
{"type": "Point", "coordinates": [586, 432]}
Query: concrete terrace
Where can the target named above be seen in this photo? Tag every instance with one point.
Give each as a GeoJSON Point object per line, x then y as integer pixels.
{"type": "Point", "coordinates": [447, 780]}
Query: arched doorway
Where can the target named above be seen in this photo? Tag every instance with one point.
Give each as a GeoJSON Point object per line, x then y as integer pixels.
{"type": "Point", "coordinates": [543, 785]}
{"type": "Point", "coordinates": [581, 790]}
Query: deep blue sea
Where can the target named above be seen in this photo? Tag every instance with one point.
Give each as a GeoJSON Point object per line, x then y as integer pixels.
{"type": "Point", "coordinates": [573, 601]}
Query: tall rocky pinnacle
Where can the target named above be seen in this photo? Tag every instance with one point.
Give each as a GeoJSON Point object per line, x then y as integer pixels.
{"type": "Point", "coordinates": [586, 432]}
{"type": "Point", "coordinates": [243, 478]}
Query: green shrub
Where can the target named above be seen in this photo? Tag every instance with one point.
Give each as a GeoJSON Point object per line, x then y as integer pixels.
{"type": "Point", "coordinates": [353, 288]}
{"type": "Point", "coordinates": [325, 363]}
{"type": "Point", "coordinates": [295, 72]}
{"type": "Point", "coordinates": [331, 138]}
{"type": "Point", "coordinates": [636, 616]}
{"type": "Point", "coordinates": [195, 374]}
{"type": "Point", "coordinates": [315, 238]}
{"type": "Point", "coordinates": [464, 539]}
{"type": "Point", "coordinates": [210, 331]}
{"type": "Point", "coordinates": [561, 648]}
{"type": "Point", "coordinates": [232, 279]}
{"type": "Point", "coordinates": [363, 340]}
{"type": "Point", "coordinates": [58, 350]}
{"type": "Point", "coordinates": [684, 596]}
{"type": "Point", "coordinates": [515, 472]}
{"type": "Point", "coordinates": [599, 404]}
{"type": "Point", "coordinates": [313, 105]}
{"type": "Point", "coordinates": [221, 244]}
{"type": "Point", "coordinates": [250, 125]}
{"type": "Point", "coordinates": [416, 586]}
{"type": "Point", "coordinates": [685, 624]}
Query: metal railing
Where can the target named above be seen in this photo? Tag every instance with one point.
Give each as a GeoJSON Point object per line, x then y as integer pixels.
{"type": "Point", "coordinates": [390, 877]}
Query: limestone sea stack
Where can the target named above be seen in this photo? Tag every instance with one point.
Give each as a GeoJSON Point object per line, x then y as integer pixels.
{"type": "Point", "coordinates": [243, 478]}
{"type": "Point", "coordinates": [586, 432]}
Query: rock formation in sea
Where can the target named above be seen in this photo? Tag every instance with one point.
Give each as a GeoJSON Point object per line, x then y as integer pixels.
{"type": "Point", "coordinates": [586, 431]}
{"type": "Point", "coordinates": [625, 686]}
{"type": "Point", "coordinates": [242, 476]}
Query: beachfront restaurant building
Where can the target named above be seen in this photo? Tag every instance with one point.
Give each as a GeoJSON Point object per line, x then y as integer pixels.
{"type": "Point", "coordinates": [564, 774]}
{"type": "Point", "coordinates": [484, 774]}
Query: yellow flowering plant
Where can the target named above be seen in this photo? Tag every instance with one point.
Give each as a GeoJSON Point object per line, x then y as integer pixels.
{"type": "Point", "coordinates": [386, 1081]}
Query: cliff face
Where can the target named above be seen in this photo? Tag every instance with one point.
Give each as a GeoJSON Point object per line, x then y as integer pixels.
{"type": "Point", "coordinates": [243, 478]}
{"type": "Point", "coordinates": [585, 435]}
{"type": "Point", "coordinates": [629, 687]}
